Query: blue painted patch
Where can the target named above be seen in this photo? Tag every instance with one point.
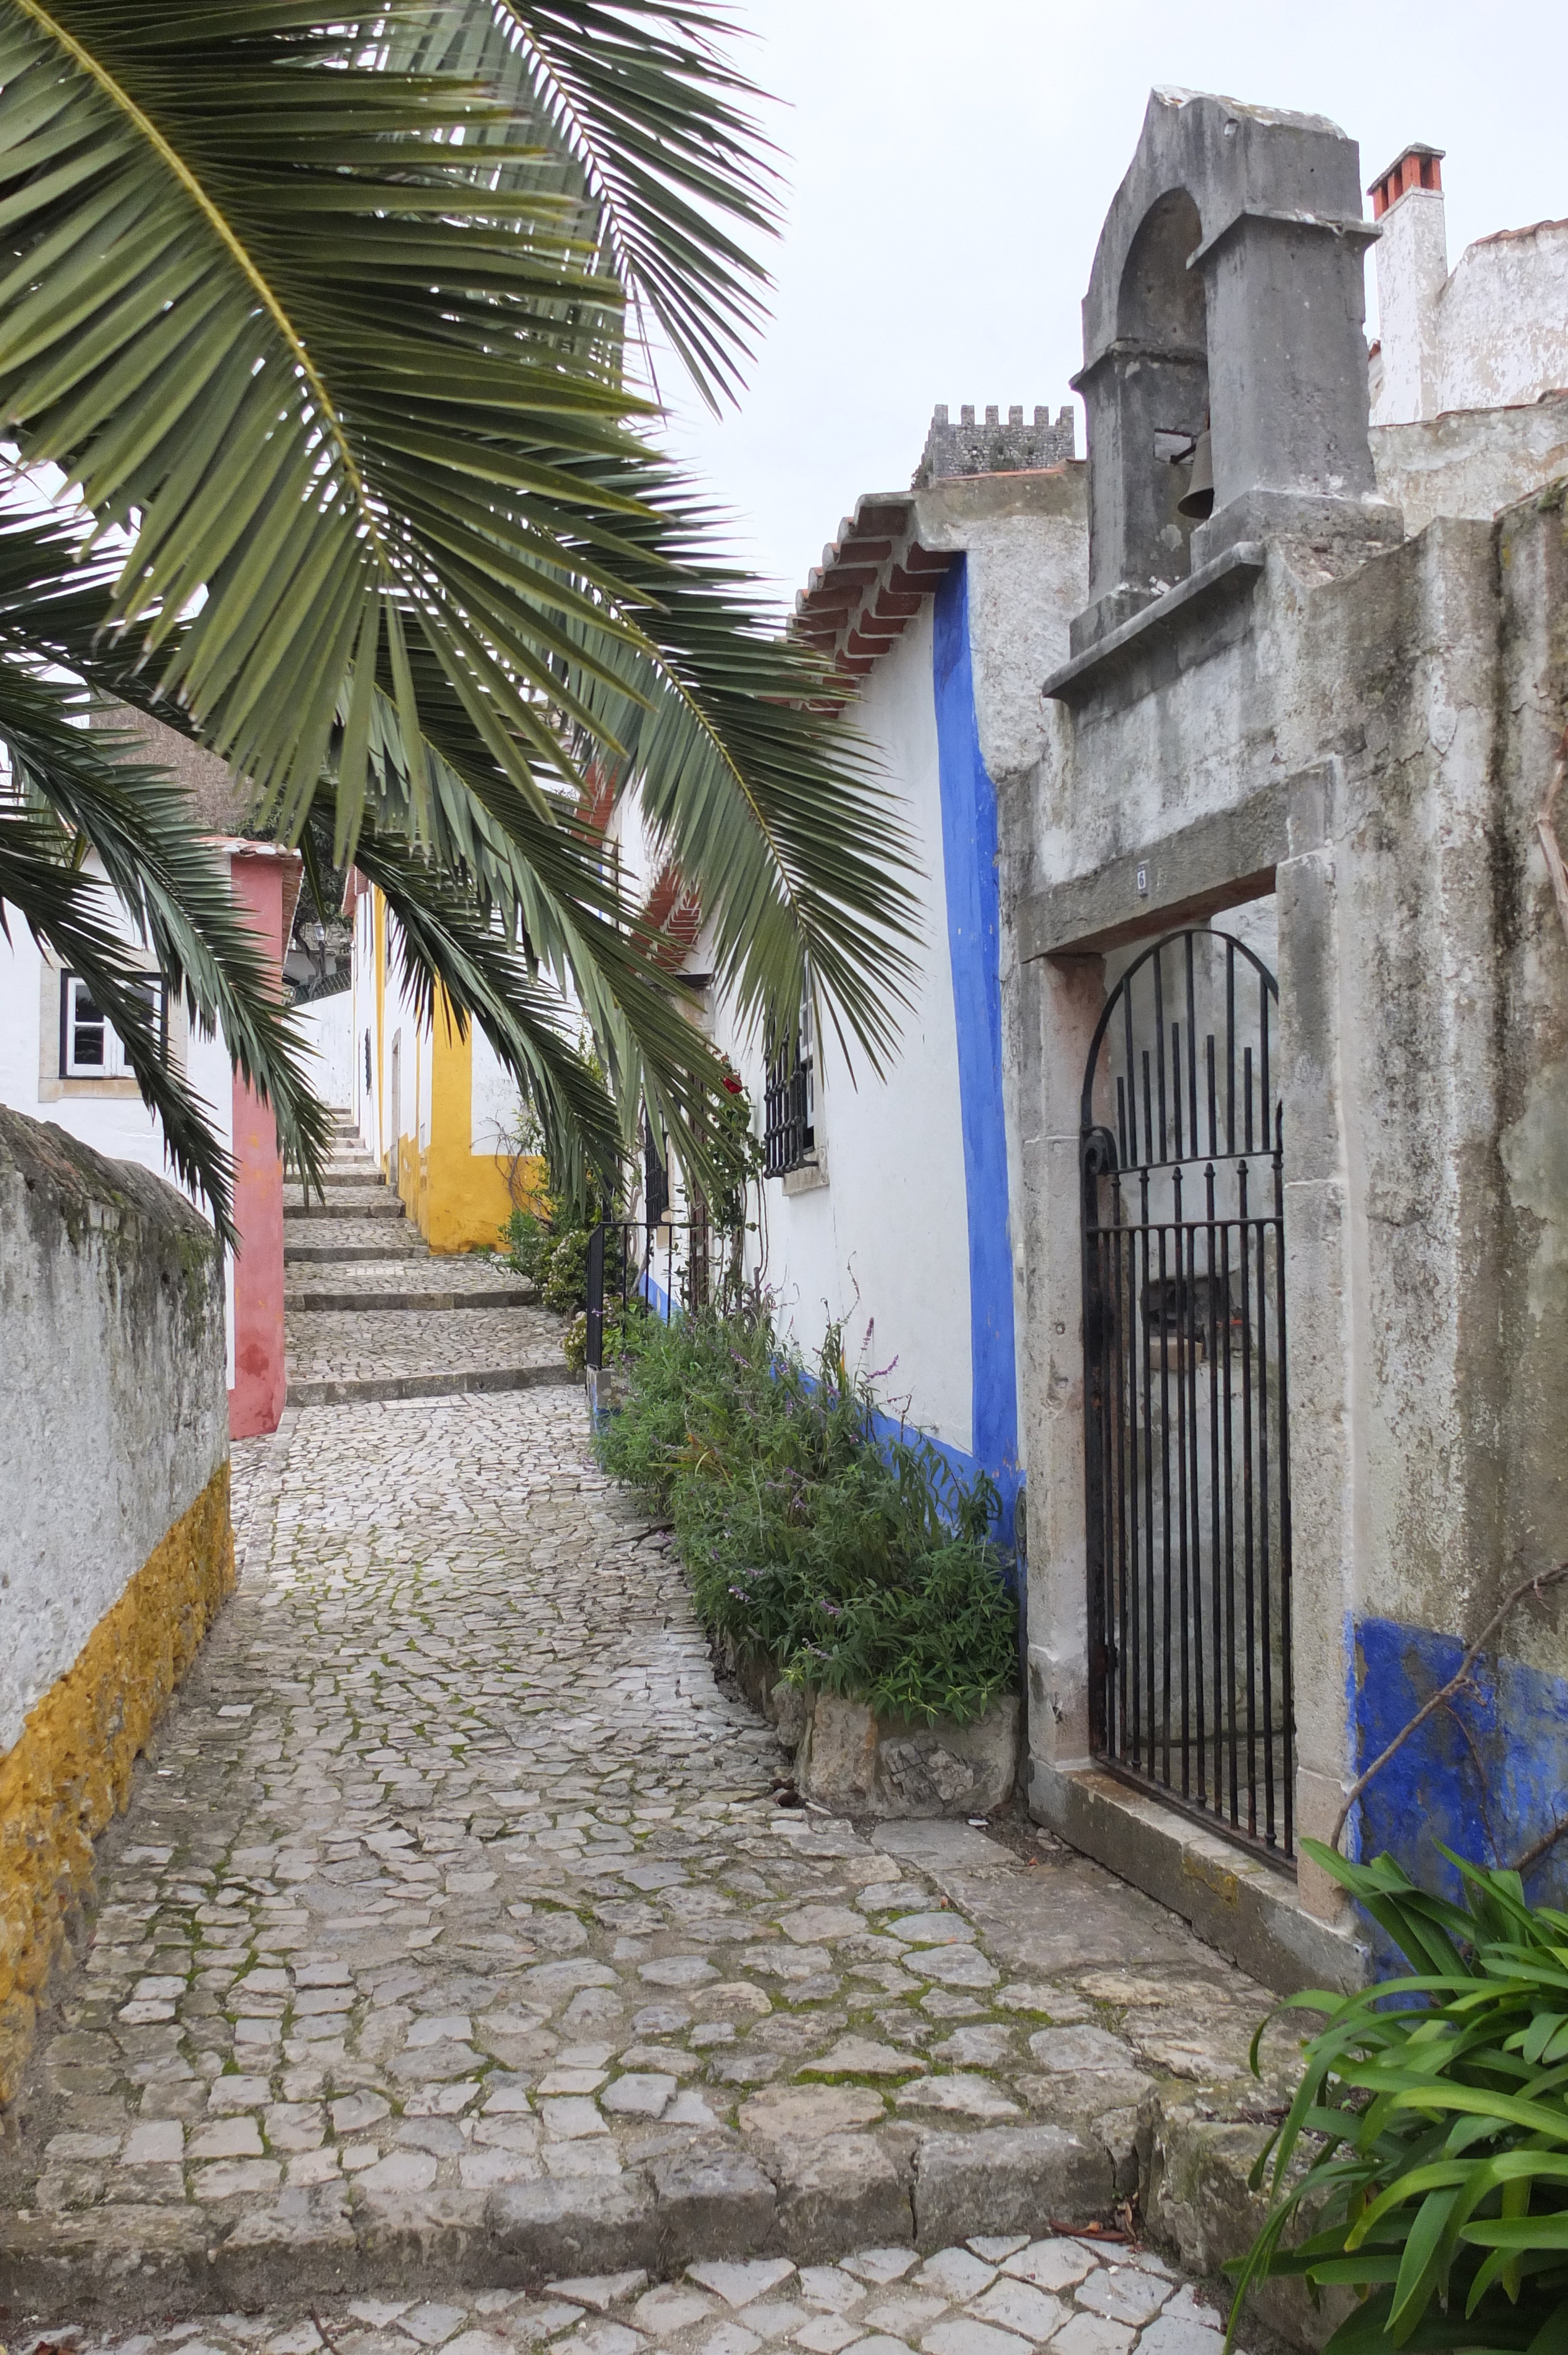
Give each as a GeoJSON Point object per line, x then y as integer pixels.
{"type": "Point", "coordinates": [970, 854]}
{"type": "Point", "coordinates": [1487, 1776]}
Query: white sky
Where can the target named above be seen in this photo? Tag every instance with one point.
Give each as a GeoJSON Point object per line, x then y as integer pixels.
{"type": "Point", "coordinates": [950, 168]}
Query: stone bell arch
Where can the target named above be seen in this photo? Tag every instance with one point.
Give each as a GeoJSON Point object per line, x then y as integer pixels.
{"type": "Point", "coordinates": [1226, 291]}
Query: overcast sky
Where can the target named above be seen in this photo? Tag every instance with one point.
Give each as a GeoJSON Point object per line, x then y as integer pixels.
{"type": "Point", "coordinates": [949, 167]}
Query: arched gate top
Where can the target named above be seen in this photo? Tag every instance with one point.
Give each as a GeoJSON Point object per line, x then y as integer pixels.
{"type": "Point", "coordinates": [1183, 1128]}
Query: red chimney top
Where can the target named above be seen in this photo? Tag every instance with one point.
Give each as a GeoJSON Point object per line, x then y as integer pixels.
{"type": "Point", "coordinates": [1417, 167]}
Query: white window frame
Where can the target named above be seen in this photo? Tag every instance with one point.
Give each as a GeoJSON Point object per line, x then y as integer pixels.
{"type": "Point", "coordinates": [113, 1065]}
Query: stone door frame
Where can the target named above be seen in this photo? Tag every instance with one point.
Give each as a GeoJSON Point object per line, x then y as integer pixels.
{"type": "Point", "coordinates": [1277, 839]}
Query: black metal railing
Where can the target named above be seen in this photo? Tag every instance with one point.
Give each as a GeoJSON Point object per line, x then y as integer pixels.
{"type": "Point", "coordinates": [661, 1268]}
{"type": "Point", "coordinates": [1185, 1395]}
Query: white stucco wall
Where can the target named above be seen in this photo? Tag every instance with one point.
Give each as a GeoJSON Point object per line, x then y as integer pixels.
{"type": "Point", "coordinates": [113, 1407]}
{"type": "Point", "coordinates": [495, 1108]}
{"type": "Point", "coordinates": [1493, 334]}
{"type": "Point", "coordinates": [327, 1025]}
{"type": "Point", "coordinates": [885, 1243]}
{"type": "Point", "coordinates": [368, 1077]}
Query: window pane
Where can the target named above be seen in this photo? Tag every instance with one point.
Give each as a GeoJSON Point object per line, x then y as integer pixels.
{"type": "Point", "coordinates": [88, 1030]}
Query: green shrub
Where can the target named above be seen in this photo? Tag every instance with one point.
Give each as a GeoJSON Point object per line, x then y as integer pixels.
{"type": "Point", "coordinates": [857, 1567]}
{"type": "Point", "coordinates": [551, 1248]}
{"type": "Point", "coordinates": [1426, 2149]}
{"type": "Point", "coordinates": [528, 1241]}
{"type": "Point", "coordinates": [564, 1275]}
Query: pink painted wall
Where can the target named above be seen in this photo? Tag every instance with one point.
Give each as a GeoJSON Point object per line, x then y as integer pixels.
{"type": "Point", "coordinates": [266, 884]}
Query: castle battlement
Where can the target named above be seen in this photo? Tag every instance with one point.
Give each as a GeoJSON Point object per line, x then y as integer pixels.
{"type": "Point", "coordinates": [993, 448]}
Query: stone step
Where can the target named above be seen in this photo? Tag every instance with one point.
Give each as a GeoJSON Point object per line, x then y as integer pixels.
{"type": "Point", "coordinates": [705, 2203]}
{"type": "Point", "coordinates": [356, 1207]}
{"type": "Point", "coordinates": [449, 1384]}
{"type": "Point", "coordinates": [515, 1295]}
{"type": "Point", "coordinates": [322, 1254]}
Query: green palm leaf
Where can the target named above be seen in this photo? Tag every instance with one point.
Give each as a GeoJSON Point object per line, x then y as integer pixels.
{"type": "Point", "coordinates": [337, 340]}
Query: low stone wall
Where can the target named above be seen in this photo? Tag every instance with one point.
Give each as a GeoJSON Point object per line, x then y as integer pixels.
{"type": "Point", "coordinates": [115, 1545]}
{"type": "Point", "coordinates": [848, 1758]}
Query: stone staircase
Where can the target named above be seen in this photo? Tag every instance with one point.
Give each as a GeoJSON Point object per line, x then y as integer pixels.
{"type": "Point", "coordinates": [371, 1312]}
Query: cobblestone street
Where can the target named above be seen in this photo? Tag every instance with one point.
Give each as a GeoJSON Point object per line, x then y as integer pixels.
{"type": "Point", "coordinates": [455, 1947]}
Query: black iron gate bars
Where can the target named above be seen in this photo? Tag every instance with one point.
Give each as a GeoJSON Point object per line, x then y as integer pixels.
{"type": "Point", "coordinates": [1185, 1398]}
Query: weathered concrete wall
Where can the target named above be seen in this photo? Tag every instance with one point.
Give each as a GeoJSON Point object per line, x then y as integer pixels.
{"type": "Point", "coordinates": [1491, 335]}
{"type": "Point", "coordinates": [1471, 462]}
{"type": "Point", "coordinates": [1390, 733]}
{"type": "Point", "coordinates": [1503, 319]}
{"type": "Point", "coordinates": [114, 1542]}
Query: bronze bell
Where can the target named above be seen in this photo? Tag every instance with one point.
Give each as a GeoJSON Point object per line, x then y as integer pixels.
{"type": "Point", "coordinates": [1198, 499]}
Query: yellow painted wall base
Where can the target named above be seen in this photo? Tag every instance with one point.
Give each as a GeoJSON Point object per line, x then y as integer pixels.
{"type": "Point", "coordinates": [70, 1768]}
{"type": "Point", "coordinates": [470, 1199]}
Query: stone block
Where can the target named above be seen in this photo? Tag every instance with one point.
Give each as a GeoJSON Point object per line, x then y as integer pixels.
{"type": "Point", "coordinates": [1007, 2180]}
{"type": "Point", "coordinates": [844, 2187]}
{"type": "Point", "coordinates": [806, 2113]}
{"type": "Point", "coordinates": [583, 2224]}
{"type": "Point", "coordinates": [272, 2254]}
{"type": "Point", "coordinates": [127, 2257]}
{"type": "Point", "coordinates": [857, 1763]}
{"type": "Point", "coordinates": [713, 2201]}
{"type": "Point", "coordinates": [407, 2238]}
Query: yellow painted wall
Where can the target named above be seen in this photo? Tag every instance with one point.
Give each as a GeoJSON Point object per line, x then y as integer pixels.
{"type": "Point", "coordinates": [469, 1201]}
{"type": "Point", "coordinates": [459, 1200]}
{"type": "Point", "coordinates": [70, 1770]}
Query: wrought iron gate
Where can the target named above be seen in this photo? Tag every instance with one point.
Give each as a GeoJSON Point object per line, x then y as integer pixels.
{"type": "Point", "coordinates": [1184, 1392]}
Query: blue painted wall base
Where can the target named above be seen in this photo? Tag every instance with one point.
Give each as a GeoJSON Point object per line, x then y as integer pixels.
{"type": "Point", "coordinates": [1487, 1776]}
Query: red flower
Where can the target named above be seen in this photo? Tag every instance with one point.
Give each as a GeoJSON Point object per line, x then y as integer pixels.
{"type": "Point", "coordinates": [733, 1085]}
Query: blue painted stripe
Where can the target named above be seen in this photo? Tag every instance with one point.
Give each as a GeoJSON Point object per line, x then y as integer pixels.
{"type": "Point", "coordinates": [969, 866]}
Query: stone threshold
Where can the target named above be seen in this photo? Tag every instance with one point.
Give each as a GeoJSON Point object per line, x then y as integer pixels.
{"type": "Point", "coordinates": [518, 1295]}
{"type": "Point", "coordinates": [451, 1384]}
{"type": "Point", "coordinates": [1246, 1908]}
{"type": "Point", "coordinates": [711, 2199]}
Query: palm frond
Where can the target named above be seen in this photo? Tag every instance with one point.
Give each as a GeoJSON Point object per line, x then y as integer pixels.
{"type": "Point", "coordinates": [337, 344]}
{"type": "Point", "coordinates": [642, 95]}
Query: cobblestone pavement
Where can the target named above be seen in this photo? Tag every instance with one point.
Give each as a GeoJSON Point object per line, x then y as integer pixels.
{"type": "Point", "coordinates": [325, 1344]}
{"type": "Point", "coordinates": [455, 1944]}
{"type": "Point", "coordinates": [434, 1273]}
{"type": "Point", "coordinates": [991, 2297]}
{"type": "Point", "coordinates": [323, 1230]}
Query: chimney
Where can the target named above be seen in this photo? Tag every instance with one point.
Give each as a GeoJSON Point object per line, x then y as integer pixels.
{"type": "Point", "coordinates": [1412, 271]}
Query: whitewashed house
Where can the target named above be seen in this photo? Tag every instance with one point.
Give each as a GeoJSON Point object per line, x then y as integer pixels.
{"type": "Point", "coordinates": [60, 1061]}
{"type": "Point", "coordinates": [889, 1203]}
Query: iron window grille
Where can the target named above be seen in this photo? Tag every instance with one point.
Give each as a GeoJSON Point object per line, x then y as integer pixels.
{"type": "Point", "coordinates": [655, 1178]}
{"type": "Point", "coordinates": [789, 1104]}
{"type": "Point", "coordinates": [90, 1047]}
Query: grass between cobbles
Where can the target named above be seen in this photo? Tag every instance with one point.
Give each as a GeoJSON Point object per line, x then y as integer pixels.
{"type": "Point", "coordinates": [853, 1564]}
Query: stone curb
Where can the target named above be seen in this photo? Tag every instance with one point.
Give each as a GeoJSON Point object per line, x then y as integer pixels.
{"type": "Point", "coordinates": [711, 2200]}
{"type": "Point", "coordinates": [518, 1295]}
{"type": "Point", "coordinates": [322, 1254]}
{"type": "Point", "coordinates": [416, 1386]}
{"type": "Point", "coordinates": [370, 1207]}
